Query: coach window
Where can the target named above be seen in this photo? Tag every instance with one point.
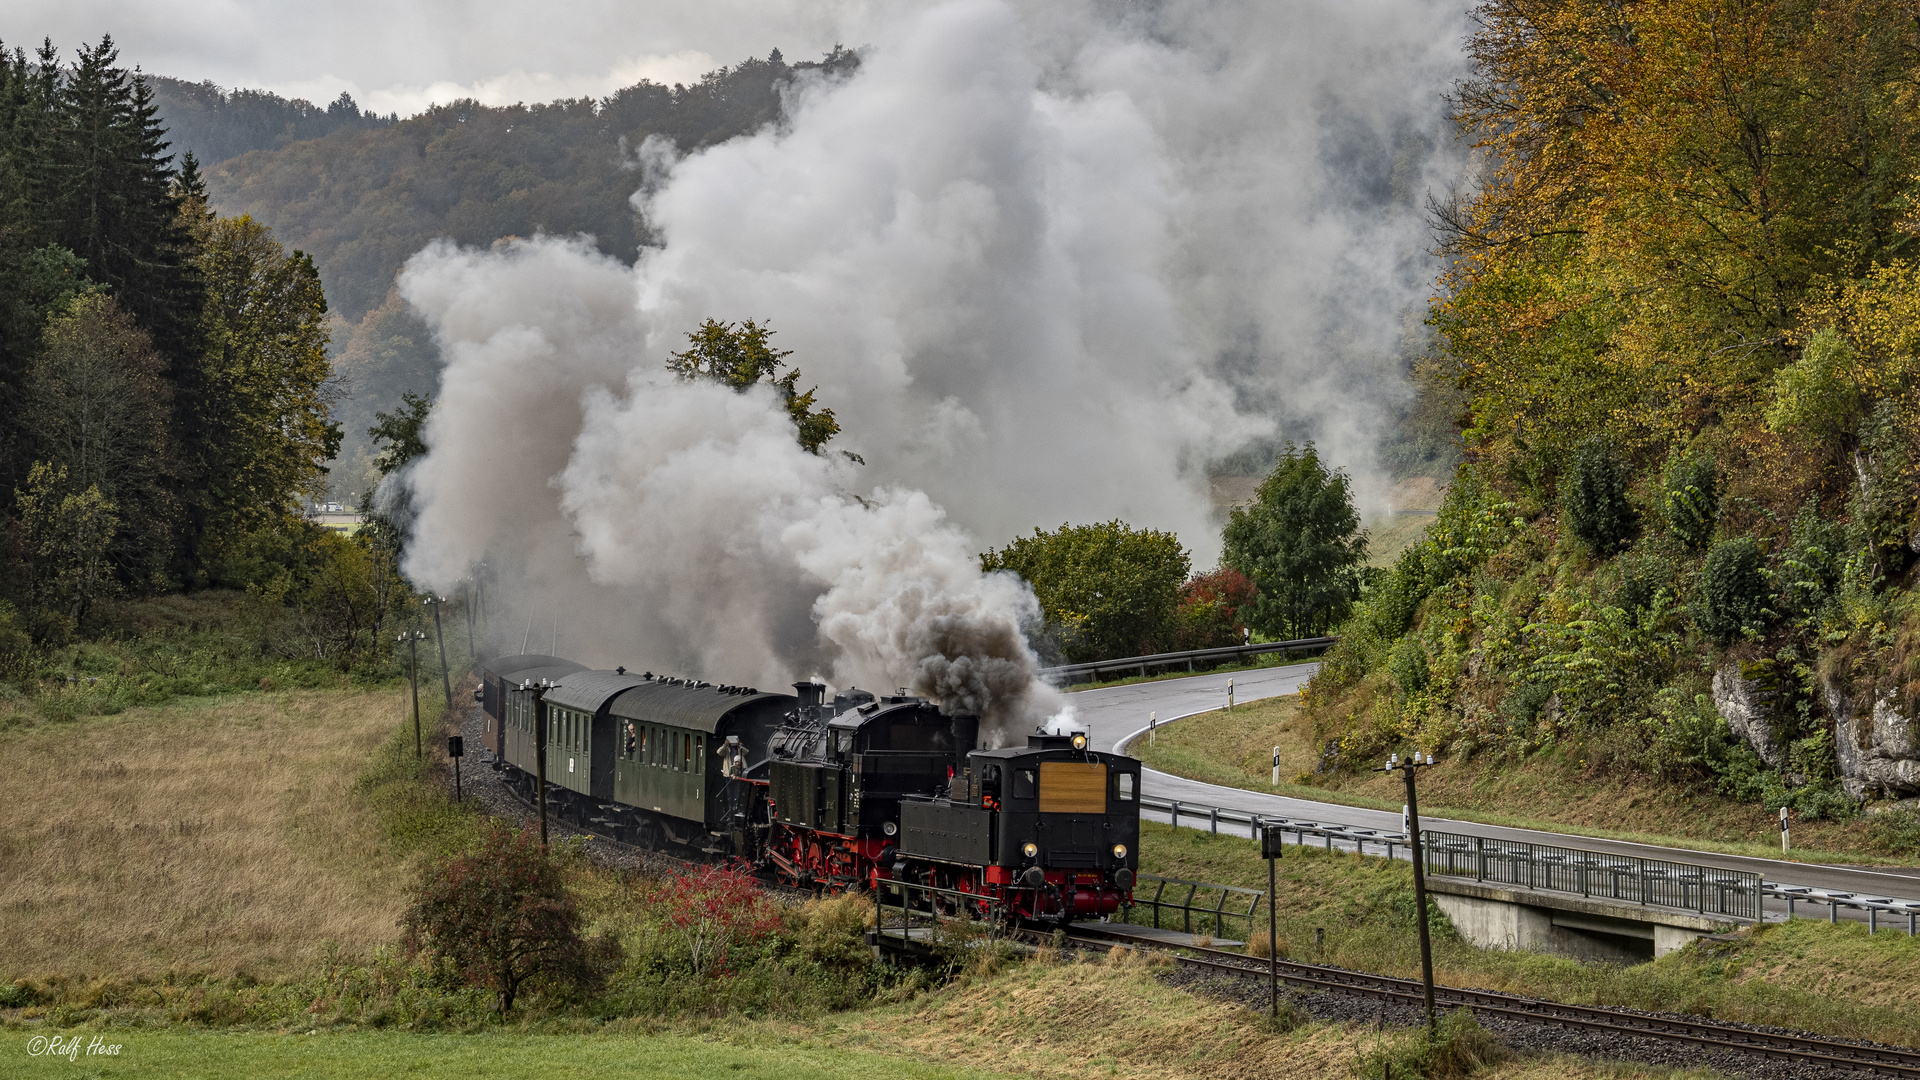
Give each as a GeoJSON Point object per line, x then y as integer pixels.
{"type": "Point", "coordinates": [1123, 786]}
{"type": "Point", "coordinates": [686, 762]}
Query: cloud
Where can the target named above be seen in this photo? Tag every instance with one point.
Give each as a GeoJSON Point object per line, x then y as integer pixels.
{"type": "Point", "coordinates": [1044, 262]}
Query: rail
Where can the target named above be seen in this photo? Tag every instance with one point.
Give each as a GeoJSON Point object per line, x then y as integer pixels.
{"type": "Point", "coordinates": [1213, 916]}
{"type": "Point", "coordinates": [1068, 674]}
{"type": "Point", "coordinates": [1704, 890]}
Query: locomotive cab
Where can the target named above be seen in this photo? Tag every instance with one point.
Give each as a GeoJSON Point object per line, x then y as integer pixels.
{"type": "Point", "coordinates": [1054, 817]}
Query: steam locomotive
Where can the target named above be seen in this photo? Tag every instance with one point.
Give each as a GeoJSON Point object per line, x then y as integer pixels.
{"type": "Point", "coordinates": [836, 793]}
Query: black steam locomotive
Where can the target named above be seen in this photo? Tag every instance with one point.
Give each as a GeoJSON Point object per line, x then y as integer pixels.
{"type": "Point", "coordinates": [836, 794]}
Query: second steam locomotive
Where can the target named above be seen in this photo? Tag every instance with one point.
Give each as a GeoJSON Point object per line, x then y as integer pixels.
{"type": "Point", "coordinates": [835, 793]}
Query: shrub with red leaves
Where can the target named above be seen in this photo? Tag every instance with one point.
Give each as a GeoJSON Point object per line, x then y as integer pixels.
{"type": "Point", "coordinates": [1208, 614]}
{"type": "Point", "coordinates": [501, 917]}
{"type": "Point", "coordinates": [717, 910]}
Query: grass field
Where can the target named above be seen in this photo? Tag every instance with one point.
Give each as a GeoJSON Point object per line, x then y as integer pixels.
{"type": "Point", "coordinates": [207, 882]}
{"type": "Point", "coordinates": [1236, 750]}
{"type": "Point", "coordinates": [216, 836]}
{"type": "Point", "coordinates": [1075, 1021]}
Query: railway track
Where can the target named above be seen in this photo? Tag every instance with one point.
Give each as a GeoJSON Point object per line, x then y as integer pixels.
{"type": "Point", "coordinates": [1799, 1048]}
{"type": "Point", "coordinates": [1804, 1049]}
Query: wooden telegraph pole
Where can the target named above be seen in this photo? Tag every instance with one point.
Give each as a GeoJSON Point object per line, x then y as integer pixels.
{"type": "Point", "coordinates": [1270, 839]}
{"type": "Point", "coordinates": [1419, 874]}
{"type": "Point", "coordinates": [440, 640]}
{"type": "Point", "coordinates": [413, 639]}
{"type": "Point", "coordinates": [539, 692]}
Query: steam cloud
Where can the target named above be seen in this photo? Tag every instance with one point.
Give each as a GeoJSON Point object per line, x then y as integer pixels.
{"type": "Point", "coordinates": [1044, 264]}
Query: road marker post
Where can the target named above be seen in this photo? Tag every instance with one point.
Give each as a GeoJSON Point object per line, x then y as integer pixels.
{"type": "Point", "coordinates": [1276, 766]}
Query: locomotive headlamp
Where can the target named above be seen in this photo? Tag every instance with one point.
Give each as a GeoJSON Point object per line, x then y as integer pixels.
{"type": "Point", "coordinates": [1030, 850]}
{"type": "Point", "coordinates": [1079, 742]}
{"type": "Point", "coordinates": [1119, 851]}
{"type": "Point", "coordinates": [889, 828]}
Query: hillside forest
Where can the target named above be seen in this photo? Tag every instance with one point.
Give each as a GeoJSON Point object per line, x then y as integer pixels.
{"type": "Point", "coordinates": [1682, 303]}
{"type": "Point", "coordinates": [1673, 334]}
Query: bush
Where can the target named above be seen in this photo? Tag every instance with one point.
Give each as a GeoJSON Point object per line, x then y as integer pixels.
{"type": "Point", "coordinates": [1733, 590]}
{"type": "Point", "coordinates": [1460, 1048]}
{"type": "Point", "coordinates": [1595, 498]}
{"type": "Point", "coordinates": [1693, 500]}
{"type": "Point", "coordinates": [1210, 611]}
{"type": "Point", "coordinates": [1811, 565]}
{"type": "Point", "coordinates": [716, 911]}
{"type": "Point", "coordinates": [501, 917]}
{"type": "Point", "coordinates": [1408, 666]}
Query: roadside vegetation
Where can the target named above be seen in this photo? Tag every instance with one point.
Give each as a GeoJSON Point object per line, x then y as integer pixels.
{"type": "Point", "coordinates": [1546, 790]}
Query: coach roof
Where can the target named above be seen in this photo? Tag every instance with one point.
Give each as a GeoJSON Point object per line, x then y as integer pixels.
{"type": "Point", "coordinates": [682, 706]}
{"type": "Point", "coordinates": [589, 691]}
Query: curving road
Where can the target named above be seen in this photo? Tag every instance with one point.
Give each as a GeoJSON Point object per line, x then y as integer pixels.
{"type": "Point", "coordinates": [1114, 715]}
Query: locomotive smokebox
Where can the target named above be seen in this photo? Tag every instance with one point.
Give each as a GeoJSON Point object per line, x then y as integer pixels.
{"type": "Point", "coordinates": [811, 694]}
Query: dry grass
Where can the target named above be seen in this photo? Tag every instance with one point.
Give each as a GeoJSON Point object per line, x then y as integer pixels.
{"type": "Point", "coordinates": [1115, 1019]}
{"type": "Point", "coordinates": [218, 838]}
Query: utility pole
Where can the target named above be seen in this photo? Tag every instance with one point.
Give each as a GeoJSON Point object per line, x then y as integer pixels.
{"type": "Point", "coordinates": [413, 639]}
{"type": "Point", "coordinates": [1270, 840]}
{"type": "Point", "coordinates": [440, 640]}
{"type": "Point", "coordinates": [473, 587]}
{"type": "Point", "coordinates": [1419, 874]}
{"type": "Point", "coordinates": [539, 692]}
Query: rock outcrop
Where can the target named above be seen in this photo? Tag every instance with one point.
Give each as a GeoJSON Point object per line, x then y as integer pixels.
{"type": "Point", "coordinates": [1878, 757]}
{"type": "Point", "coordinates": [1748, 709]}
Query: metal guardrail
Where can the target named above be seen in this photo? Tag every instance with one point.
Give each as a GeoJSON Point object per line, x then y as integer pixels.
{"type": "Point", "coordinates": [1212, 817]}
{"type": "Point", "coordinates": [1213, 916]}
{"type": "Point", "coordinates": [1874, 906]}
{"type": "Point", "coordinates": [1067, 674]}
{"type": "Point", "coordinates": [1704, 890]}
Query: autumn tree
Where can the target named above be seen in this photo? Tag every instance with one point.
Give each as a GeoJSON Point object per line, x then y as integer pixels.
{"type": "Point", "coordinates": [501, 917]}
{"type": "Point", "coordinates": [1106, 590]}
{"type": "Point", "coordinates": [264, 410]}
{"type": "Point", "coordinates": [744, 356]}
{"type": "Point", "coordinates": [67, 532]}
{"type": "Point", "coordinates": [1301, 544]}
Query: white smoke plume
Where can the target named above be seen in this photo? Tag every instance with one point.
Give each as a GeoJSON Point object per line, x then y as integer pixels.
{"type": "Point", "coordinates": [1043, 263]}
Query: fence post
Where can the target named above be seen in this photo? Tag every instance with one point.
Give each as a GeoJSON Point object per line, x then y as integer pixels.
{"type": "Point", "coordinates": [1213, 820]}
{"type": "Point", "coordinates": [1176, 813]}
{"type": "Point", "coordinates": [1479, 858]}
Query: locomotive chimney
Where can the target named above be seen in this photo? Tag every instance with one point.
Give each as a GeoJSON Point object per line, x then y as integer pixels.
{"type": "Point", "coordinates": [966, 734]}
{"type": "Point", "coordinates": [810, 693]}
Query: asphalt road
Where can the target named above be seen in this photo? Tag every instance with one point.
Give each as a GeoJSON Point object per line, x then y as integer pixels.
{"type": "Point", "coordinates": [1115, 714]}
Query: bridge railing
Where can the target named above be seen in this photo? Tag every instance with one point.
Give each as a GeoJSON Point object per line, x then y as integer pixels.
{"type": "Point", "coordinates": [1705, 890]}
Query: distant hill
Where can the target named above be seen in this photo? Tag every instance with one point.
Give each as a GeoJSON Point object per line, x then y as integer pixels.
{"type": "Point", "coordinates": [214, 124]}
{"type": "Point", "coordinates": [365, 194]}
{"type": "Point", "coordinates": [362, 193]}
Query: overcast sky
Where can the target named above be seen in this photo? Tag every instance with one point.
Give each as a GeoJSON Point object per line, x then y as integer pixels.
{"type": "Point", "coordinates": [401, 55]}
